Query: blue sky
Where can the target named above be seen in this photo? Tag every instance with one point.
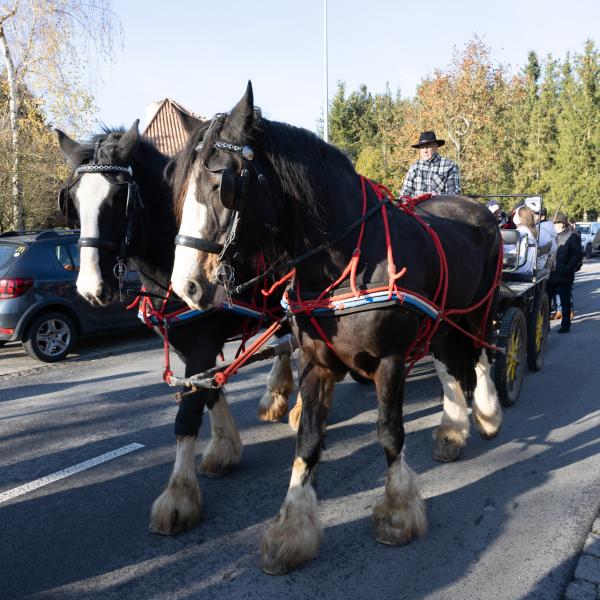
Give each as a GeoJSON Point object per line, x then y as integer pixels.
{"type": "Point", "coordinates": [202, 53]}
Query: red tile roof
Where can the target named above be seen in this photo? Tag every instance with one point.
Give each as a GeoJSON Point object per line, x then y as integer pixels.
{"type": "Point", "coordinates": [165, 128]}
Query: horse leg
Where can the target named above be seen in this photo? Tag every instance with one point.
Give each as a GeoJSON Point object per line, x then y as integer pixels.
{"type": "Point", "coordinates": [179, 506]}
{"type": "Point", "coordinates": [296, 413]}
{"type": "Point", "coordinates": [296, 534]}
{"type": "Point", "coordinates": [224, 450]}
{"type": "Point", "coordinates": [280, 383]}
{"type": "Point", "coordinates": [453, 431]}
{"type": "Point", "coordinates": [487, 412]}
{"type": "Point", "coordinates": [400, 515]}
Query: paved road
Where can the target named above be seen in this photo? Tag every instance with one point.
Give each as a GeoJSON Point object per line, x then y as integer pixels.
{"type": "Point", "coordinates": [506, 522]}
{"type": "Point", "coordinates": [15, 361]}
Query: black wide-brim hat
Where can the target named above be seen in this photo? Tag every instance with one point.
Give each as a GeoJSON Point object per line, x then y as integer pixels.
{"type": "Point", "coordinates": [428, 137]}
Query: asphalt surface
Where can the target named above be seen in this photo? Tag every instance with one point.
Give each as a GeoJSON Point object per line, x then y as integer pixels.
{"type": "Point", "coordinates": [505, 522]}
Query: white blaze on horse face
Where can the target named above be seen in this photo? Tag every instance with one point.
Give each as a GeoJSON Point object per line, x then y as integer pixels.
{"type": "Point", "coordinates": [91, 192]}
{"type": "Point", "coordinates": [187, 260]}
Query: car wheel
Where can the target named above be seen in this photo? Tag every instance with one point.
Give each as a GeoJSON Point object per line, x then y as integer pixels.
{"type": "Point", "coordinates": [50, 337]}
{"type": "Point", "coordinates": [588, 251]}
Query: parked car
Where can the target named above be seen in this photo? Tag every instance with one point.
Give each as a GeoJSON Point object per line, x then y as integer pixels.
{"type": "Point", "coordinates": [39, 303]}
{"type": "Point", "coordinates": [590, 237]}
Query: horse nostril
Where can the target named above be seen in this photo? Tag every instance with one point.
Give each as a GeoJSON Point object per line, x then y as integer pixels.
{"type": "Point", "coordinates": [103, 293]}
{"type": "Point", "coordinates": [191, 289]}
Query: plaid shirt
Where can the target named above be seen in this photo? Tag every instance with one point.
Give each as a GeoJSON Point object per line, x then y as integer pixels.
{"type": "Point", "coordinates": [437, 176]}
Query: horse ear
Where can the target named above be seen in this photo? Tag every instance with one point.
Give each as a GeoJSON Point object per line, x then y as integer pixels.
{"type": "Point", "coordinates": [129, 140]}
{"type": "Point", "coordinates": [190, 123]}
{"type": "Point", "coordinates": [70, 148]}
{"type": "Point", "coordinates": [227, 189]}
{"type": "Point", "coordinates": [241, 116]}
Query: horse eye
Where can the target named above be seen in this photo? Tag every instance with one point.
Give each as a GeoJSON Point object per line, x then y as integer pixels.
{"type": "Point", "coordinates": [215, 187]}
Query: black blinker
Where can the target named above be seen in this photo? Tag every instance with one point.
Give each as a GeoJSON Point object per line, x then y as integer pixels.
{"type": "Point", "coordinates": [63, 200]}
{"type": "Point", "coordinates": [228, 189]}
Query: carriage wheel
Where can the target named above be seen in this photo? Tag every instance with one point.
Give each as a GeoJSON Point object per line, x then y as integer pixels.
{"type": "Point", "coordinates": [537, 335]}
{"type": "Point", "coordinates": [510, 366]}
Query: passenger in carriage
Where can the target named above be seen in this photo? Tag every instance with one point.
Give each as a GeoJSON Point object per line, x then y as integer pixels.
{"type": "Point", "coordinates": [524, 219]}
{"type": "Point", "coordinates": [432, 173]}
{"type": "Point", "coordinates": [503, 221]}
{"type": "Point", "coordinates": [541, 219]}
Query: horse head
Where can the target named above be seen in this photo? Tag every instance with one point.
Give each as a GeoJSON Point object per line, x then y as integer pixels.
{"type": "Point", "coordinates": [101, 192]}
{"type": "Point", "coordinates": [222, 201]}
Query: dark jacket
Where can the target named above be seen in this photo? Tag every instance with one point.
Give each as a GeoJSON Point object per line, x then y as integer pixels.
{"type": "Point", "coordinates": [568, 257]}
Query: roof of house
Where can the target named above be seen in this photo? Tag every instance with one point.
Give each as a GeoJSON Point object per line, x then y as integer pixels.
{"type": "Point", "coordinates": [166, 129]}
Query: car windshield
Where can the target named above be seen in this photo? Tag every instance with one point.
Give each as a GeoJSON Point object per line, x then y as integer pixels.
{"type": "Point", "coordinates": [8, 254]}
{"type": "Point", "coordinates": [583, 228]}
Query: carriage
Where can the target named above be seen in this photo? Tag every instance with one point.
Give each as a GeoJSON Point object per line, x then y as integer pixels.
{"type": "Point", "coordinates": [522, 317]}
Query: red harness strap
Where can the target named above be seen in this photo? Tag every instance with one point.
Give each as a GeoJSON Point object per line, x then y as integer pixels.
{"type": "Point", "coordinates": [428, 327]}
{"type": "Point", "coordinates": [164, 319]}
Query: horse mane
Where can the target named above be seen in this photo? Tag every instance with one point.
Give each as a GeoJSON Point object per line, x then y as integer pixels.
{"type": "Point", "coordinates": [304, 164]}
{"type": "Point", "coordinates": [108, 149]}
{"type": "Point", "coordinates": [179, 168]}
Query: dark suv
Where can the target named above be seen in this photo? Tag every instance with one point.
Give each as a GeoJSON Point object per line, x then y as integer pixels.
{"type": "Point", "coordinates": [39, 303]}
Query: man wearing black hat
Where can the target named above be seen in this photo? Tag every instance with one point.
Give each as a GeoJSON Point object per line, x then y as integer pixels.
{"type": "Point", "coordinates": [432, 173]}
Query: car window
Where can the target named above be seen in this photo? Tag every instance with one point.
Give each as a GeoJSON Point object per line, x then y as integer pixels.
{"type": "Point", "coordinates": [74, 249]}
{"type": "Point", "coordinates": [9, 253]}
{"type": "Point", "coordinates": [65, 258]}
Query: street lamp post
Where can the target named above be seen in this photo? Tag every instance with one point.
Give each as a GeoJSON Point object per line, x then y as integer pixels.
{"type": "Point", "coordinates": [325, 89]}
{"type": "Point", "coordinates": [458, 126]}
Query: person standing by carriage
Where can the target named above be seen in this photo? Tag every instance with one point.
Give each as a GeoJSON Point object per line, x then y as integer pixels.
{"type": "Point", "coordinates": [568, 260]}
{"type": "Point", "coordinates": [432, 173]}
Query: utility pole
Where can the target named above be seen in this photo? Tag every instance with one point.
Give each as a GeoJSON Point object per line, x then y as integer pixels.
{"type": "Point", "coordinates": [325, 88]}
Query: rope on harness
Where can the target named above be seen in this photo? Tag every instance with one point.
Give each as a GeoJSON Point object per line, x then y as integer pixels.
{"type": "Point", "coordinates": [255, 317]}
{"type": "Point", "coordinates": [429, 326]}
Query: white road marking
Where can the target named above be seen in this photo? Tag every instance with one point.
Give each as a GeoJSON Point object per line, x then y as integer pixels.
{"type": "Point", "coordinates": [88, 464]}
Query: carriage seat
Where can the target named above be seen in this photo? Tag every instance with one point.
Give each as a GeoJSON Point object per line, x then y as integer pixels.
{"type": "Point", "coordinates": [512, 241]}
{"type": "Point", "coordinates": [515, 255]}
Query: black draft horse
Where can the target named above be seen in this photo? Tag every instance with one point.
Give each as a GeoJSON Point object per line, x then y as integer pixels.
{"type": "Point", "coordinates": [290, 193]}
{"type": "Point", "coordinates": [118, 190]}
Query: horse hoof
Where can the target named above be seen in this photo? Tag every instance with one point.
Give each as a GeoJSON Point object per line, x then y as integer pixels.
{"type": "Point", "coordinates": [221, 457]}
{"type": "Point", "coordinates": [448, 444]}
{"type": "Point", "coordinates": [273, 406]}
{"type": "Point", "coordinates": [486, 430]}
{"type": "Point", "coordinates": [177, 509]}
{"type": "Point", "coordinates": [397, 525]}
{"type": "Point", "coordinates": [296, 534]}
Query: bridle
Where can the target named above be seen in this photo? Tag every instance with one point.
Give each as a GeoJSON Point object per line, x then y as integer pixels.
{"type": "Point", "coordinates": [132, 205]}
{"type": "Point", "coordinates": [233, 192]}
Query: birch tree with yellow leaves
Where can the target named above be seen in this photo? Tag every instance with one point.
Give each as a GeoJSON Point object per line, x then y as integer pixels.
{"type": "Point", "coordinates": [51, 49]}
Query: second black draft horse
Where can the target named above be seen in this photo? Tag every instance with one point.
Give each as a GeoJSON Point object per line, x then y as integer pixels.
{"type": "Point", "coordinates": [294, 198]}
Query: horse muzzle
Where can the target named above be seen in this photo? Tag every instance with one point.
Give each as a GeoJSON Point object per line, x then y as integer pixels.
{"type": "Point", "coordinates": [102, 296]}
{"type": "Point", "coordinates": [196, 295]}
